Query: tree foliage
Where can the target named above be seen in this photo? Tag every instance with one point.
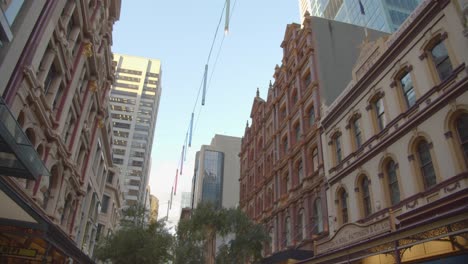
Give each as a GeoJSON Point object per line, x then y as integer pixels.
{"type": "Point", "coordinates": [136, 242]}
{"type": "Point", "coordinates": [242, 238]}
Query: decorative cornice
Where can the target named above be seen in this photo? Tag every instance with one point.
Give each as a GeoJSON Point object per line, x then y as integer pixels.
{"type": "Point", "coordinates": [88, 49]}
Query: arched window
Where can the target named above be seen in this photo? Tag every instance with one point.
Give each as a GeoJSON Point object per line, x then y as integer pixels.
{"type": "Point", "coordinates": [392, 179]}
{"type": "Point", "coordinates": [366, 199]}
{"type": "Point", "coordinates": [300, 225]}
{"type": "Point", "coordinates": [425, 164]}
{"type": "Point", "coordinates": [300, 171]}
{"type": "Point", "coordinates": [273, 240]}
{"type": "Point", "coordinates": [285, 145]}
{"type": "Point", "coordinates": [294, 97]}
{"type": "Point", "coordinates": [337, 148]}
{"type": "Point", "coordinates": [343, 206]}
{"type": "Point", "coordinates": [440, 57]}
{"type": "Point", "coordinates": [407, 89]}
{"type": "Point", "coordinates": [311, 114]}
{"type": "Point", "coordinates": [357, 134]}
{"type": "Point", "coordinates": [379, 111]}
{"type": "Point", "coordinates": [315, 160]}
{"type": "Point", "coordinates": [287, 231]}
{"type": "Point", "coordinates": [461, 124]}
{"type": "Point", "coordinates": [297, 132]}
{"type": "Point", "coordinates": [317, 217]}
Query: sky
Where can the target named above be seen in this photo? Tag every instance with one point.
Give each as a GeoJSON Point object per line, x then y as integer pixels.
{"type": "Point", "coordinates": [180, 34]}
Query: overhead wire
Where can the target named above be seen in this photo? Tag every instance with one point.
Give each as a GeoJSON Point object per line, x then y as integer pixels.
{"type": "Point", "coordinates": [205, 85]}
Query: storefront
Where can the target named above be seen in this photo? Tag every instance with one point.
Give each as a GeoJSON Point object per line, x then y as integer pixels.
{"type": "Point", "coordinates": [434, 234]}
{"type": "Point", "coordinates": [27, 235]}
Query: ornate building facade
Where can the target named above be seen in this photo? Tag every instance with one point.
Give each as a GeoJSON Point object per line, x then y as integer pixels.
{"type": "Point", "coordinates": [395, 147]}
{"type": "Point", "coordinates": [56, 74]}
{"type": "Point", "coordinates": [282, 177]}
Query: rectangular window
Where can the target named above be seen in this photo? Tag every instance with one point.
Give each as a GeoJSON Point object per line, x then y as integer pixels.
{"type": "Point", "coordinates": [105, 203]}
{"type": "Point", "coordinates": [407, 89]}
{"type": "Point", "coordinates": [110, 178]}
{"type": "Point", "coordinates": [118, 161]}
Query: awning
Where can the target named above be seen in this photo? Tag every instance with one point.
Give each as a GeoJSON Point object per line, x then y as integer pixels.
{"type": "Point", "coordinates": [27, 233]}
{"type": "Point", "coordinates": [18, 158]}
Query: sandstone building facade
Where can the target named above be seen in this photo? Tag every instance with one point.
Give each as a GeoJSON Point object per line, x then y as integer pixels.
{"type": "Point", "coordinates": [56, 73]}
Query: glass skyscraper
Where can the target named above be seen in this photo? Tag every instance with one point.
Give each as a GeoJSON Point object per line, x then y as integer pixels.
{"type": "Point", "coordinates": [213, 178]}
{"type": "Point", "coordinates": [383, 15]}
{"type": "Point", "coordinates": [216, 173]}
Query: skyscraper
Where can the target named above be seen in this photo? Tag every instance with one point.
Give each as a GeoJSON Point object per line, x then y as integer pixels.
{"type": "Point", "coordinates": [216, 177]}
{"type": "Point", "coordinates": [383, 15]}
{"type": "Point", "coordinates": [185, 200]}
{"type": "Point", "coordinates": [134, 108]}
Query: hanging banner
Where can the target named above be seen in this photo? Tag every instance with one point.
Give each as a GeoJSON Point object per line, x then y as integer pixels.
{"type": "Point", "coordinates": [191, 129]}
{"type": "Point", "coordinates": [226, 24]}
{"type": "Point", "coordinates": [204, 85]}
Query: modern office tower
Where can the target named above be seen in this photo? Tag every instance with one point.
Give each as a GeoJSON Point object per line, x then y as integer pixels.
{"type": "Point", "coordinates": [216, 181]}
{"type": "Point", "coordinates": [216, 173]}
{"type": "Point", "coordinates": [395, 147]}
{"type": "Point", "coordinates": [134, 108]}
{"type": "Point", "coordinates": [383, 15]}
{"type": "Point", "coordinates": [55, 135]}
{"type": "Point", "coordinates": [185, 200]}
{"type": "Point", "coordinates": [282, 176]}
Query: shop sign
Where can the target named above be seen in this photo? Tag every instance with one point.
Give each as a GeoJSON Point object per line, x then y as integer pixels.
{"type": "Point", "coordinates": [351, 233]}
{"type": "Point", "coordinates": [14, 251]}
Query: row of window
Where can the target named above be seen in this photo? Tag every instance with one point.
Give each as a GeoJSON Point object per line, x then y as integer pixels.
{"type": "Point", "coordinates": [423, 162]}
{"type": "Point", "coordinates": [297, 228]}
{"type": "Point", "coordinates": [298, 172]}
{"type": "Point", "coordinates": [404, 84]}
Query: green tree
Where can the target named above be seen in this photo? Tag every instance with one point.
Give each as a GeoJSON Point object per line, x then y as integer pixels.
{"type": "Point", "coordinates": [243, 238]}
{"type": "Point", "coordinates": [136, 242]}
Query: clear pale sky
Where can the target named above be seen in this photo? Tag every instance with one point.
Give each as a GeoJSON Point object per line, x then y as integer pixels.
{"type": "Point", "coordinates": [180, 33]}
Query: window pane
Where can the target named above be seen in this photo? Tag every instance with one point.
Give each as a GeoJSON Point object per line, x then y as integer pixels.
{"type": "Point", "coordinates": [338, 148]}
{"type": "Point", "coordinates": [300, 172]}
{"type": "Point", "coordinates": [357, 133]}
{"type": "Point", "coordinates": [380, 113]}
{"type": "Point", "coordinates": [344, 207]}
{"type": "Point", "coordinates": [311, 116]}
{"type": "Point", "coordinates": [393, 183]}
{"type": "Point", "coordinates": [441, 60]}
{"type": "Point", "coordinates": [408, 92]}
{"type": "Point", "coordinates": [300, 225]}
{"type": "Point", "coordinates": [366, 196]}
{"type": "Point", "coordinates": [318, 215]}
{"type": "Point", "coordinates": [315, 161]}
{"type": "Point", "coordinates": [11, 10]}
{"type": "Point", "coordinates": [427, 168]}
